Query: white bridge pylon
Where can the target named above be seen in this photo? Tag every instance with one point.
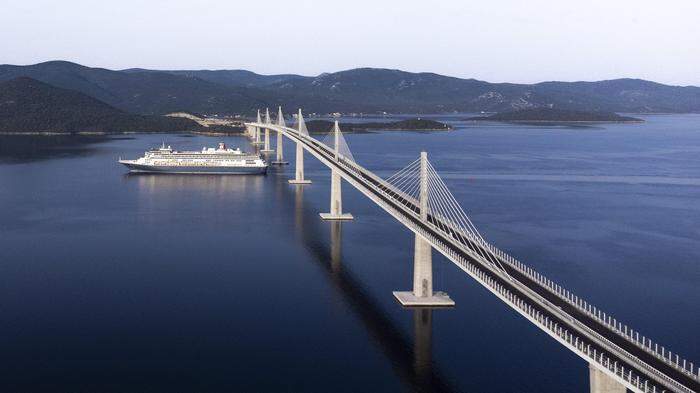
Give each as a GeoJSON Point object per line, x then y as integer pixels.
{"type": "Point", "coordinates": [256, 132]}
{"type": "Point", "coordinates": [340, 151]}
{"type": "Point", "coordinates": [266, 147]}
{"type": "Point", "coordinates": [299, 164]}
{"type": "Point", "coordinates": [416, 183]}
{"type": "Point", "coordinates": [280, 152]}
{"type": "Point", "coordinates": [420, 184]}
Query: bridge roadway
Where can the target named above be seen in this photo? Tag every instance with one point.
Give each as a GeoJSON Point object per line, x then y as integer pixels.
{"type": "Point", "coordinates": [613, 353]}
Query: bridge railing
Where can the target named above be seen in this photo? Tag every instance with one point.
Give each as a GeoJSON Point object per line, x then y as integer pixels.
{"type": "Point", "coordinates": [632, 336]}
{"type": "Point", "coordinates": [628, 375]}
{"type": "Point", "coordinates": [456, 233]}
{"type": "Point", "coordinates": [470, 242]}
{"type": "Point", "coordinates": [581, 344]}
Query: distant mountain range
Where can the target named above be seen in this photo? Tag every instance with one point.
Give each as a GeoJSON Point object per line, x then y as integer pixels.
{"type": "Point", "coordinates": [27, 105]}
{"type": "Point", "coordinates": [365, 90]}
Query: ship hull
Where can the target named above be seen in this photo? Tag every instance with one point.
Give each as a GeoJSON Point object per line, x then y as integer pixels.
{"type": "Point", "coordinates": [196, 170]}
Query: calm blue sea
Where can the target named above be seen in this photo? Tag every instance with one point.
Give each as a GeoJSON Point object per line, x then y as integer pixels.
{"type": "Point", "coordinates": [112, 282]}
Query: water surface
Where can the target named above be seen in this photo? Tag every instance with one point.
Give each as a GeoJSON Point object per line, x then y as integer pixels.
{"type": "Point", "coordinates": [121, 283]}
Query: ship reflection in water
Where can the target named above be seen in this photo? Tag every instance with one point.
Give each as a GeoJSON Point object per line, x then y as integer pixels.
{"type": "Point", "coordinates": [412, 363]}
{"type": "Point", "coordinates": [166, 196]}
{"type": "Point", "coordinates": [154, 183]}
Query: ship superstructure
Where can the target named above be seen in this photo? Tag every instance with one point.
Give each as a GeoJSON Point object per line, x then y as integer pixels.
{"type": "Point", "coordinates": [209, 160]}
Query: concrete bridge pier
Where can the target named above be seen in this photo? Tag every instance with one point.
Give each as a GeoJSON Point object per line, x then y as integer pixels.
{"type": "Point", "coordinates": [266, 147]}
{"type": "Point", "coordinates": [602, 383]}
{"type": "Point", "coordinates": [256, 136]}
{"type": "Point", "coordinates": [280, 152]}
{"type": "Point", "coordinates": [336, 211]}
{"type": "Point", "coordinates": [299, 167]}
{"type": "Point", "coordinates": [422, 294]}
{"type": "Point", "coordinates": [257, 141]}
{"type": "Point", "coordinates": [279, 160]}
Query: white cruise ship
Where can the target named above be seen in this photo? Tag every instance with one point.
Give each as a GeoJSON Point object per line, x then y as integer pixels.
{"type": "Point", "coordinates": [221, 160]}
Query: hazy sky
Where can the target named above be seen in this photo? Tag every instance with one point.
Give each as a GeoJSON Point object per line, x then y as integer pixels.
{"type": "Point", "coordinates": [493, 40]}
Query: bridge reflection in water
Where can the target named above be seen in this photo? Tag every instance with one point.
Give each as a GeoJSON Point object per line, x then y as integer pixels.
{"type": "Point", "coordinates": [412, 362]}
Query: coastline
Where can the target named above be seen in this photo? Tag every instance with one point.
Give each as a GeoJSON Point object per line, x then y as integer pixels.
{"type": "Point", "coordinates": [559, 121]}
{"type": "Point", "coordinates": [100, 133]}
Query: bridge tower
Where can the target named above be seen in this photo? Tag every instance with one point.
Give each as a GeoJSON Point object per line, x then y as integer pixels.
{"type": "Point", "coordinates": [257, 141]}
{"type": "Point", "coordinates": [299, 166]}
{"type": "Point", "coordinates": [336, 210]}
{"type": "Point", "coordinates": [422, 294]}
{"type": "Point", "coordinates": [266, 148]}
{"type": "Point", "coordinates": [280, 154]}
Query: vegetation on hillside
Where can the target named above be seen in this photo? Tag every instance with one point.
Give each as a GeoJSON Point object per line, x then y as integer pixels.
{"type": "Point", "coordinates": [363, 90]}
{"type": "Point", "coordinates": [27, 105]}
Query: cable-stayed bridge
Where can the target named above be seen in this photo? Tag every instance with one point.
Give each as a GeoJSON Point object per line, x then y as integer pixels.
{"type": "Point", "coordinates": [619, 357]}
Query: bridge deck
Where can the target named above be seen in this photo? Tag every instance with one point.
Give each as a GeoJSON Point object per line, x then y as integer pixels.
{"type": "Point", "coordinates": [558, 309]}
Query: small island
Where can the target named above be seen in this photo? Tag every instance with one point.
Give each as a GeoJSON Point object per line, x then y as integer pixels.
{"type": "Point", "coordinates": [551, 115]}
{"type": "Point", "coordinates": [417, 124]}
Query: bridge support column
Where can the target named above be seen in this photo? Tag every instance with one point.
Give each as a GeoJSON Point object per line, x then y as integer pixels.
{"type": "Point", "coordinates": [256, 132]}
{"type": "Point", "coordinates": [280, 153]}
{"type": "Point", "coordinates": [280, 143]}
{"type": "Point", "coordinates": [336, 212]}
{"type": "Point", "coordinates": [422, 294]}
{"type": "Point", "coordinates": [266, 147]}
{"type": "Point", "coordinates": [299, 169]}
{"type": "Point", "coordinates": [257, 137]}
{"type": "Point", "coordinates": [603, 383]}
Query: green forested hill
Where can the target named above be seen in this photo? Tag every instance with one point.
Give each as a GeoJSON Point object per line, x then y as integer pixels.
{"type": "Point", "coordinates": [367, 90]}
{"type": "Point", "coordinates": [27, 105]}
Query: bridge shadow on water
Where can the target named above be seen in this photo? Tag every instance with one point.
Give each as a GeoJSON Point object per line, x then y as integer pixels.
{"type": "Point", "coordinates": [413, 364]}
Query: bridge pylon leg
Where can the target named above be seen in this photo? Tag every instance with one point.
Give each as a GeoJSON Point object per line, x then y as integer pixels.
{"type": "Point", "coordinates": [257, 141]}
{"type": "Point", "coordinates": [422, 294]}
{"type": "Point", "coordinates": [256, 132]}
{"type": "Point", "coordinates": [280, 152]}
{"type": "Point", "coordinates": [336, 212]}
{"type": "Point", "coordinates": [299, 167]}
{"type": "Point", "coordinates": [266, 148]}
{"type": "Point", "coordinates": [603, 383]}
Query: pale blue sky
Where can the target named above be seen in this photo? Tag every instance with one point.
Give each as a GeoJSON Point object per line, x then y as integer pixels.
{"type": "Point", "coordinates": [493, 40]}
